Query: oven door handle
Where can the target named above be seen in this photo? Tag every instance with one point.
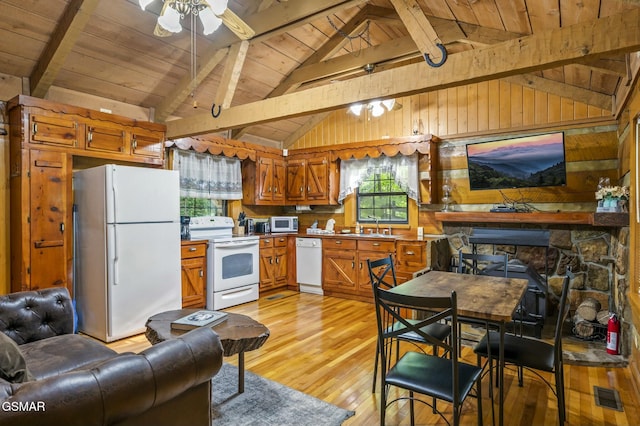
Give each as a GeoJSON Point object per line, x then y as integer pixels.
{"type": "Point", "coordinates": [236, 245]}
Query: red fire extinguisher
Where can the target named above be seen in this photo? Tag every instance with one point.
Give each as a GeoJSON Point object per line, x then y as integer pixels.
{"type": "Point", "coordinates": [613, 331]}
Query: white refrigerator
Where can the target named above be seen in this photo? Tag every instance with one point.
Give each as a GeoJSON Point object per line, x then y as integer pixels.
{"type": "Point", "coordinates": [127, 248]}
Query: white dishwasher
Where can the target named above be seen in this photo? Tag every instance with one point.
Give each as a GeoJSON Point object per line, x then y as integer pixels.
{"type": "Point", "coordinates": [309, 264]}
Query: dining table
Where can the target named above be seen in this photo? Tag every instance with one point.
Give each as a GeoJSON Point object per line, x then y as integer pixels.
{"type": "Point", "coordinates": [485, 297]}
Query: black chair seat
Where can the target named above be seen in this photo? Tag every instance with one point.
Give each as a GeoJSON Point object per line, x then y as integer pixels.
{"type": "Point", "coordinates": [431, 375]}
{"type": "Point", "coordinates": [518, 350]}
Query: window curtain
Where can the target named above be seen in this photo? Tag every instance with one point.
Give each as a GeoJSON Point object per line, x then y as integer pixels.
{"type": "Point", "coordinates": [208, 176]}
{"type": "Point", "coordinates": [403, 168]}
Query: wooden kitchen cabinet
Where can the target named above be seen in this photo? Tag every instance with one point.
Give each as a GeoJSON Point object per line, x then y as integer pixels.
{"type": "Point", "coordinates": [309, 180]}
{"type": "Point", "coordinates": [264, 181]}
{"type": "Point", "coordinates": [411, 256]}
{"type": "Point", "coordinates": [41, 226]}
{"type": "Point", "coordinates": [45, 139]}
{"type": "Point", "coordinates": [273, 262]}
{"type": "Point", "coordinates": [339, 272]}
{"type": "Point", "coordinates": [373, 250]}
{"type": "Point", "coordinates": [194, 273]}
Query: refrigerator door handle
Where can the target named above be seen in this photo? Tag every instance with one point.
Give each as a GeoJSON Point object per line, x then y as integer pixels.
{"type": "Point", "coordinates": [116, 257]}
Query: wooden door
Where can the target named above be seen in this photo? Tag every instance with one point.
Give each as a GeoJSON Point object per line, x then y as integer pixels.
{"type": "Point", "coordinates": [53, 130]}
{"type": "Point", "coordinates": [279, 180]}
{"type": "Point", "coordinates": [147, 144]}
{"type": "Point", "coordinates": [265, 178]}
{"type": "Point", "coordinates": [318, 179]}
{"type": "Point", "coordinates": [50, 254]}
{"type": "Point", "coordinates": [280, 267]}
{"type": "Point", "coordinates": [105, 138]}
{"type": "Point", "coordinates": [194, 282]}
{"type": "Point", "coordinates": [339, 271]}
{"type": "Point", "coordinates": [267, 269]}
{"type": "Point", "coordinates": [296, 177]}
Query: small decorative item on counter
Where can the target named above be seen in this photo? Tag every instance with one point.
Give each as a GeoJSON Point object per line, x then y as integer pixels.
{"type": "Point", "coordinates": [357, 231]}
{"type": "Point", "coordinates": [612, 199]}
{"type": "Point", "coordinates": [330, 224]}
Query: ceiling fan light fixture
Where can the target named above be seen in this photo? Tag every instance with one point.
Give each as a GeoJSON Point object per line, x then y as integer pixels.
{"type": "Point", "coordinates": [218, 6]}
{"type": "Point", "coordinates": [170, 20]}
{"type": "Point", "coordinates": [210, 21]}
{"type": "Point", "coordinates": [389, 103]}
{"type": "Point", "coordinates": [376, 109]}
{"type": "Point", "coordinates": [356, 109]}
{"type": "Point", "coordinates": [144, 3]}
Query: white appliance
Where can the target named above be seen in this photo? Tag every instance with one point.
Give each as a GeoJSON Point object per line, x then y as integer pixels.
{"type": "Point", "coordinates": [309, 265]}
{"type": "Point", "coordinates": [233, 269]}
{"type": "Point", "coordinates": [128, 248]}
{"type": "Point", "coordinates": [284, 223]}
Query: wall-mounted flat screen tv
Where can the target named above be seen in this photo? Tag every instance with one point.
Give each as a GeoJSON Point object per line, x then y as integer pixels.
{"type": "Point", "coordinates": [525, 162]}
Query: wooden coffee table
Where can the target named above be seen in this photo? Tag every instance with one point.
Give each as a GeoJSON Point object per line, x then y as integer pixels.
{"type": "Point", "coordinates": [238, 334]}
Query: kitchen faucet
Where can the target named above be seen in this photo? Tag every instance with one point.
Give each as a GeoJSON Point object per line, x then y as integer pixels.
{"type": "Point", "coordinates": [376, 219]}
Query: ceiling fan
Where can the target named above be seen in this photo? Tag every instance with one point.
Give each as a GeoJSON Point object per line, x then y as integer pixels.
{"type": "Point", "coordinates": [212, 14]}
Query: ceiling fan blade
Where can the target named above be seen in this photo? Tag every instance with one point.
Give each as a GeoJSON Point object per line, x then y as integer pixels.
{"type": "Point", "coordinates": [236, 24]}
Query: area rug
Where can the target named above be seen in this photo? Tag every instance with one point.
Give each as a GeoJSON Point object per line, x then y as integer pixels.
{"type": "Point", "coordinates": [267, 403]}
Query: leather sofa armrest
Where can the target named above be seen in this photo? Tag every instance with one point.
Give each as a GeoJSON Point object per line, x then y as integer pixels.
{"type": "Point", "coordinates": [28, 316]}
{"type": "Point", "coordinates": [118, 388]}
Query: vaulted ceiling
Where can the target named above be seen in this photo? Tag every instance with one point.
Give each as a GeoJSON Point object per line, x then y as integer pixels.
{"type": "Point", "coordinates": [307, 57]}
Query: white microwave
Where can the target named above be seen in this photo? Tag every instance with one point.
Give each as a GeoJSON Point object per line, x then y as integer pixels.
{"type": "Point", "coordinates": [284, 223]}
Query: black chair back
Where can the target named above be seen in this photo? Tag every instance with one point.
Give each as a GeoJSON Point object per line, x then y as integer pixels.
{"type": "Point", "coordinates": [382, 272]}
{"type": "Point", "coordinates": [476, 264]}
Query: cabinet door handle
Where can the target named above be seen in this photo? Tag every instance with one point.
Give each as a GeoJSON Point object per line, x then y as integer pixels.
{"type": "Point", "coordinates": [308, 189]}
{"type": "Point", "coordinates": [201, 273]}
{"type": "Point", "coordinates": [269, 189]}
{"type": "Point", "coordinates": [410, 253]}
{"type": "Point", "coordinates": [62, 227]}
{"type": "Point", "coordinates": [353, 265]}
{"type": "Point", "coordinates": [360, 265]}
{"type": "Point", "coordinates": [376, 244]}
{"type": "Point", "coordinates": [281, 239]}
{"type": "Point", "coordinates": [135, 143]}
{"type": "Point", "coordinates": [338, 242]}
{"type": "Point", "coordinates": [90, 137]}
{"type": "Point", "coordinates": [277, 260]}
{"type": "Point", "coordinates": [270, 260]}
{"type": "Point", "coordinates": [301, 189]}
{"type": "Point", "coordinates": [35, 128]}
{"type": "Point", "coordinates": [192, 249]}
{"type": "Point", "coordinates": [275, 189]}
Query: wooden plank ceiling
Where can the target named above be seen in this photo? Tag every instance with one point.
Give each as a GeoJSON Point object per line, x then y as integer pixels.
{"type": "Point", "coordinates": [296, 67]}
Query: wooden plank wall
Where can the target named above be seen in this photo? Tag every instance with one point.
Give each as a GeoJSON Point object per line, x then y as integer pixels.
{"type": "Point", "coordinates": [481, 108]}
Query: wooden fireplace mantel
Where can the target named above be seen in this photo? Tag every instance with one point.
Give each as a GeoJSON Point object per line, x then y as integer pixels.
{"type": "Point", "coordinates": [565, 218]}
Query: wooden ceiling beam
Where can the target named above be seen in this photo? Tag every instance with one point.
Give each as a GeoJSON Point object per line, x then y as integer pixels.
{"type": "Point", "coordinates": [64, 37]}
{"type": "Point", "coordinates": [328, 48]}
{"type": "Point", "coordinates": [548, 49]}
{"type": "Point", "coordinates": [564, 90]}
{"type": "Point", "coordinates": [266, 23]}
{"type": "Point", "coordinates": [419, 28]}
{"type": "Point", "coordinates": [231, 74]}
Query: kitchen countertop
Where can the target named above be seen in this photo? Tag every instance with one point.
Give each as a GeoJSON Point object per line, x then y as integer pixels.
{"type": "Point", "coordinates": [398, 237]}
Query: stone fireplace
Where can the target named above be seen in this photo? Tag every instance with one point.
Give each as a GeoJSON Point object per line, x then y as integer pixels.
{"type": "Point", "coordinates": [598, 257]}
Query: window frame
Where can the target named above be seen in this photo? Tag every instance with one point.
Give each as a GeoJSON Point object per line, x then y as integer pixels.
{"type": "Point", "coordinates": [373, 195]}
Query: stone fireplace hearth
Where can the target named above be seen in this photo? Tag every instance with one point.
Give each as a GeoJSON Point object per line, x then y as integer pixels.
{"type": "Point", "coordinates": [598, 257]}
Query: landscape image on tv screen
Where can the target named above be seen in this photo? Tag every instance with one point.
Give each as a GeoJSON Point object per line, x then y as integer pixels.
{"type": "Point", "coordinates": [525, 162]}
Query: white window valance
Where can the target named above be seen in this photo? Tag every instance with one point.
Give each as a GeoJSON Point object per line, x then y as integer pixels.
{"type": "Point", "coordinates": [208, 176]}
{"type": "Point", "coordinates": [404, 168]}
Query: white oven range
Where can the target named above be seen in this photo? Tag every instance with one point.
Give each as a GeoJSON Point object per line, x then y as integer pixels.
{"type": "Point", "coordinates": [232, 262]}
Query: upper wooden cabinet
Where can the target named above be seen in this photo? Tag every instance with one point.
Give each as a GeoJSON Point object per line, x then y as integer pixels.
{"type": "Point", "coordinates": [87, 133]}
{"type": "Point", "coordinates": [309, 180]}
{"type": "Point", "coordinates": [263, 181]}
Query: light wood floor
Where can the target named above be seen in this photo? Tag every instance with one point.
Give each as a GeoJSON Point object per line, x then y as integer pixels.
{"type": "Point", "coordinates": [324, 347]}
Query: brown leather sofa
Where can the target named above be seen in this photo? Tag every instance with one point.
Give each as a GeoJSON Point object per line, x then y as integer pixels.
{"type": "Point", "coordinates": [76, 380]}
